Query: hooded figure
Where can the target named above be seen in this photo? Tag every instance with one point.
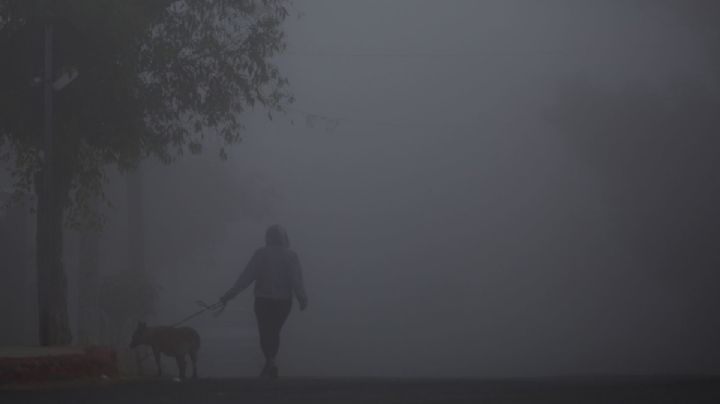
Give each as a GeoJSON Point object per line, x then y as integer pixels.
{"type": "Point", "coordinates": [275, 269]}
{"type": "Point", "coordinates": [276, 235]}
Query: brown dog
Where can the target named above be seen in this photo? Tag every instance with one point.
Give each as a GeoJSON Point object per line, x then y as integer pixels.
{"type": "Point", "coordinates": [171, 341]}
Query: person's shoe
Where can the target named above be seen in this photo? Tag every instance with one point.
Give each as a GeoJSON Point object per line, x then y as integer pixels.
{"type": "Point", "coordinates": [274, 372]}
{"type": "Point", "coordinates": [266, 372]}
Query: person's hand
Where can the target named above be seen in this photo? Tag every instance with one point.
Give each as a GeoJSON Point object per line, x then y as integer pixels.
{"type": "Point", "coordinates": [303, 304]}
{"type": "Point", "coordinates": [223, 301]}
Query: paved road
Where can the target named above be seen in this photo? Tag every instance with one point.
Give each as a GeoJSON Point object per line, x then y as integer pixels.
{"type": "Point", "coordinates": [636, 391]}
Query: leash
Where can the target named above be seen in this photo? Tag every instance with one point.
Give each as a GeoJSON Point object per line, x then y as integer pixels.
{"type": "Point", "coordinates": [205, 307]}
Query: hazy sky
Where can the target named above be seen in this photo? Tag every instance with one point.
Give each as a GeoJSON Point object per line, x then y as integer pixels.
{"type": "Point", "coordinates": [450, 220]}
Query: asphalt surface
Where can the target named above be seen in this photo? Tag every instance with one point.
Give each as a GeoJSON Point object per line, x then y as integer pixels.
{"type": "Point", "coordinates": [246, 391]}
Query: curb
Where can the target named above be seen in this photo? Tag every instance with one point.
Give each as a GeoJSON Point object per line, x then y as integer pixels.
{"type": "Point", "coordinates": [98, 362]}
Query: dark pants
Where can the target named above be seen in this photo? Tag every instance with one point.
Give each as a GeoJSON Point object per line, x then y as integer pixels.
{"type": "Point", "coordinates": [271, 315]}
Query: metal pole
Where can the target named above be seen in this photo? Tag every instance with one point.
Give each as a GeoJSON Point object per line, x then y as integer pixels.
{"type": "Point", "coordinates": [46, 198]}
{"type": "Point", "coordinates": [48, 91]}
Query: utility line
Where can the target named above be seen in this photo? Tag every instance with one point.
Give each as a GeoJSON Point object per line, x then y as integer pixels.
{"type": "Point", "coordinates": [469, 54]}
{"type": "Point", "coordinates": [329, 122]}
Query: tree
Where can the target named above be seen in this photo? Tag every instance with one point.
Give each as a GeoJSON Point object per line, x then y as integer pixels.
{"type": "Point", "coordinates": [151, 78]}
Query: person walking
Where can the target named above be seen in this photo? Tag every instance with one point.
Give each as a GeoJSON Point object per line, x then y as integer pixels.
{"type": "Point", "coordinates": [276, 271]}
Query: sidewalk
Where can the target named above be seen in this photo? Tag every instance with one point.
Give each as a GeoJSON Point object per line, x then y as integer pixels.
{"type": "Point", "coordinates": [22, 365]}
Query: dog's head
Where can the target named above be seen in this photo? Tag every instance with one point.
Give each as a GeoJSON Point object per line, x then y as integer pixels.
{"type": "Point", "coordinates": [138, 336]}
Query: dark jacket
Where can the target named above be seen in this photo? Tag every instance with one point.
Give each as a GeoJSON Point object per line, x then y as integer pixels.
{"type": "Point", "coordinates": [275, 269]}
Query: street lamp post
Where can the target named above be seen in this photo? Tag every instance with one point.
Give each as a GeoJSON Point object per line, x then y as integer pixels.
{"type": "Point", "coordinates": [45, 264]}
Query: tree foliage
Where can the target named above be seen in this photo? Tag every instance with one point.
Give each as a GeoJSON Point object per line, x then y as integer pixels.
{"type": "Point", "coordinates": [156, 78]}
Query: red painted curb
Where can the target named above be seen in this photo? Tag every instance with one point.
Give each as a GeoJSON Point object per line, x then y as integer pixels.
{"type": "Point", "coordinates": [95, 362]}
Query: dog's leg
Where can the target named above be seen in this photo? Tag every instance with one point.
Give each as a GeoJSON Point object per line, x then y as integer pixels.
{"type": "Point", "coordinates": [156, 354]}
{"type": "Point", "coordinates": [193, 359]}
{"type": "Point", "coordinates": [180, 359]}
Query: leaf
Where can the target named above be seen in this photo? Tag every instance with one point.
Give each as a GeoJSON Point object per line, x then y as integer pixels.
{"type": "Point", "coordinates": [141, 65]}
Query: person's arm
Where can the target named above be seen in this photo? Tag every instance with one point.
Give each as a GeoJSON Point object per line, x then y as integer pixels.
{"type": "Point", "coordinates": [246, 278]}
{"type": "Point", "coordinates": [297, 282]}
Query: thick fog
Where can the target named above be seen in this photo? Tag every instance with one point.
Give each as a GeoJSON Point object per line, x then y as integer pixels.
{"type": "Point", "coordinates": [474, 188]}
